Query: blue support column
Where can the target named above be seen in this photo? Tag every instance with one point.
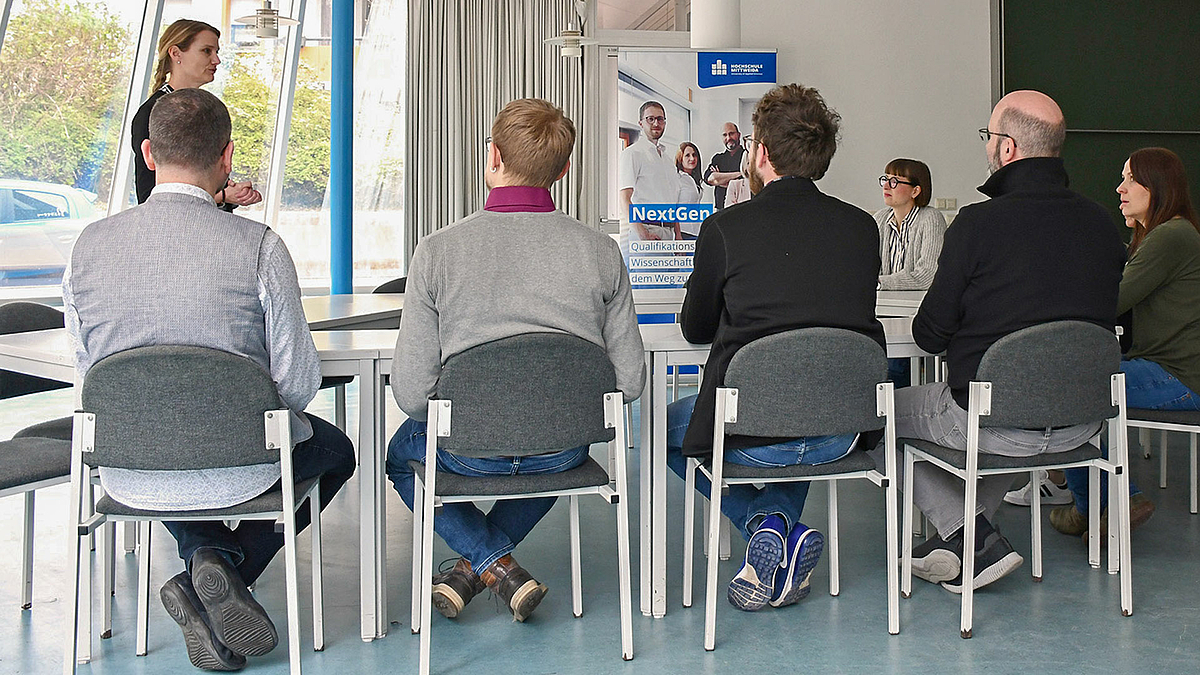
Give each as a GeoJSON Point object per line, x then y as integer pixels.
{"type": "Point", "coordinates": [341, 142]}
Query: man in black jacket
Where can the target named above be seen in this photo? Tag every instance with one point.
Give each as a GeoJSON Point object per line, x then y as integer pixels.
{"type": "Point", "coordinates": [1035, 252]}
{"type": "Point", "coordinates": [789, 258]}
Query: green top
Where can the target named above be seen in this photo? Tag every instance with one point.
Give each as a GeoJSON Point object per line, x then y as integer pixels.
{"type": "Point", "coordinates": [1161, 284]}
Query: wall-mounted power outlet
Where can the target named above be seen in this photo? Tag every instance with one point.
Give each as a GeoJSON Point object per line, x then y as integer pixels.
{"type": "Point", "coordinates": [946, 203]}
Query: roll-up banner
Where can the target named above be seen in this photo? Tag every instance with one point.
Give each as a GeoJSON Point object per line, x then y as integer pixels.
{"type": "Point", "coordinates": [682, 115]}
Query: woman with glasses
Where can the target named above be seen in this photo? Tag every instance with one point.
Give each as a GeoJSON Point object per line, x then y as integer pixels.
{"type": "Point", "coordinates": [910, 231]}
{"type": "Point", "coordinates": [186, 59]}
{"type": "Point", "coordinates": [1161, 286]}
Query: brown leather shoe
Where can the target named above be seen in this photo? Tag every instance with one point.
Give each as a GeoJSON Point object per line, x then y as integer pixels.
{"type": "Point", "coordinates": [454, 589]}
{"type": "Point", "coordinates": [1140, 510]}
{"type": "Point", "coordinates": [520, 591]}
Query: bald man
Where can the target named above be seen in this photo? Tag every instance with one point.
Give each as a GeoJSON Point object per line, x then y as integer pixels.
{"type": "Point", "coordinates": [1035, 252]}
{"type": "Point", "coordinates": [725, 166]}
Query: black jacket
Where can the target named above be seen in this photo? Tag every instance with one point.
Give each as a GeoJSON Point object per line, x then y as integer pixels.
{"type": "Point", "coordinates": [139, 130]}
{"type": "Point", "coordinates": [791, 257]}
{"type": "Point", "coordinates": [1036, 252]}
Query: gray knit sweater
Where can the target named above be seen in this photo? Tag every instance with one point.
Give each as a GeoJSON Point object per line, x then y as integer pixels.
{"type": "Point", "coordinates": [494, 275]}
{"type": "Point", "coordinates": [922, 241]}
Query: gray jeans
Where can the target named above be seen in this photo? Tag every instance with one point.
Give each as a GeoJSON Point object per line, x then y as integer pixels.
{"type": "Point", "coordinates": [929, 412]}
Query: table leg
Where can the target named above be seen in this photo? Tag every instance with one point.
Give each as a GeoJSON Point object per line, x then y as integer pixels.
{"type": "Point", "coordinates": [367, 468]}
{"type": "Point", "coordinates": [658, 493]}
{"type": "Point", "coordinates": [644, 453]}
{"type": "Point", "coordinates": [381, 493]}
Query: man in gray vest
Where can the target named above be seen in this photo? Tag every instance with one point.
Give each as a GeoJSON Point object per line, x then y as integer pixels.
{"type": "Point", "coordinates": [179, 271]}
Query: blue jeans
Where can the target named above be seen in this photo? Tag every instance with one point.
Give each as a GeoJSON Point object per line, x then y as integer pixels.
{"type": "Point", "coordinates": [745, 503]}
{"type": "Point", "coordinates": [1147, 386]}
{"type": "Point", "coordinates": [254, 543]}
{"type": "Point", "coordinates": [481, 539]}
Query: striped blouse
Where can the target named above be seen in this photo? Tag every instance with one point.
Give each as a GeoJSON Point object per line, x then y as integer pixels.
{"type": "Point", "coordinates": [909, 250]}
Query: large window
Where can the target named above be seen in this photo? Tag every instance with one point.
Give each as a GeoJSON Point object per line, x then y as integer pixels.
{"type": "Point", "coordinates": [66, 69]}
{"type": "Point", "coordinates": [644, 14]}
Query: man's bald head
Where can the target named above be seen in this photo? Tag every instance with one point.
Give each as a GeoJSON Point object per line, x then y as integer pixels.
{"type": "Point", "coordinates": [1033, 121]}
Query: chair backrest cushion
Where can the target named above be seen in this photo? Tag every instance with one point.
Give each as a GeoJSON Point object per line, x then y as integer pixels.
{"type": "Point", "coordinates": [1051, 375]}
{"type": "Point", "coordinates": [171, 407]}
{"type": "Point", "coordinates": [393, 286]}
{"type": "Point", "coordinates": [21, 317]}
{"type": "Point", "coordinates": [807, 382]}
{"type": "Point", "coordinates": [527, 394]}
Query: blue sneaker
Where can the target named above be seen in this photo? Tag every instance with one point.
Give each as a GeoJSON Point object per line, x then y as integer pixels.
{"type": "Point", "coordinates": [804, 546]}
{"type": "Point", "coordinates": [754, 585]}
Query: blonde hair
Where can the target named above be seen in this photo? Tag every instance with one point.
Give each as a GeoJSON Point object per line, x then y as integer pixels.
{"type": "Point", "coordinates": [179, 34]}
{"type": "Point", "coordinates": [535, 139]}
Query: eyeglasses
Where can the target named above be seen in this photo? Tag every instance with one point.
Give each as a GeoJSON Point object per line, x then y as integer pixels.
{"type": "Point", "coordinates": [985, 134]}
{"type": "Point", "coordinates": [655, 119]}
{"type": "Point", "coordinates": [487, 144]}
{"type": "Point", "coordinates": [892, 182]}
{"type": "Point", "coordinates": [749, 141]}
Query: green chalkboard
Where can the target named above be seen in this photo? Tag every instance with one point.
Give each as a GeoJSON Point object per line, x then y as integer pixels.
{"type": "Point", "coordinates": [1114, 66]}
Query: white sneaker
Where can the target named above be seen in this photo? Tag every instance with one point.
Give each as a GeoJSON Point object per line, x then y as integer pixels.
{"type": "Point", "coordinates": [1051, 493]}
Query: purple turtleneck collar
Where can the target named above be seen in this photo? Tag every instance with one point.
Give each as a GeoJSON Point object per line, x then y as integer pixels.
{"type": "Point", "coordinates": [519, 199]}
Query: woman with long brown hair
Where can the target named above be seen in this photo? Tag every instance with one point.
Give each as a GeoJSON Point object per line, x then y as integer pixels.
{"type": "Point", "coordinates": [1161, 286]}
{"type": "Point", "coordinates": [187, 58]}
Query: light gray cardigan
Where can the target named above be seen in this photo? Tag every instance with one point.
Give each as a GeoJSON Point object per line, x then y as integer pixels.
{"type": "Point", "coordinates": [922, 245]}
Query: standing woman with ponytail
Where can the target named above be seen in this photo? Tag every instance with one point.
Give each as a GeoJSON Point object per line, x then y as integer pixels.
{"type": "Point", "coordinates": [186, 59]}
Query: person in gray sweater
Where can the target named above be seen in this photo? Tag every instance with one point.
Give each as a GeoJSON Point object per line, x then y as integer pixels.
{"type": "Point", "coordinates": [518, 266]}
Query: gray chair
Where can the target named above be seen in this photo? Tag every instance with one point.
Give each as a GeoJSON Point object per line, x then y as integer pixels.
{"type": "Point", "coordinates": [1186, 421]}
{"type": "Point", "coordinates": [514, 397]}
{"type": "Point", "coordinates": [1049, 375]}
{"type": "Point", "coordinates": [40, 455]}
{"type": "Point", "coordinates": [805, 382]}
{"type": "Point", "coordinates": [153, 408]}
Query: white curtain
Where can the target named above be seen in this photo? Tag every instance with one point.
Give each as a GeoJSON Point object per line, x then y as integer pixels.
{"type": "Point", "coordinates": [466, 60]}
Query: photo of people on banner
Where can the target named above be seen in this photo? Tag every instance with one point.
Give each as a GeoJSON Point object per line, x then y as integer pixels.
{"type": "Point", "coordinates": [682, 115]}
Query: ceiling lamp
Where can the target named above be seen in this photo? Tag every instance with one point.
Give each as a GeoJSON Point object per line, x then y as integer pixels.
{"type": "Point", "coordinates": [266, 21]}
{"type": "Point", "coordinates": [571, 40]}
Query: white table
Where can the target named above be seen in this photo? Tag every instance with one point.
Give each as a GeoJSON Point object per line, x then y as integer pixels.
{"type": "Point", "coordinates": [658, 300]}
{"type": "Point", "coordinates": [898, 303]}
{"type": "Point", "coordinates": [670, 301]}
{"type": "Point", "coordinates": [353, 311]}
{"type": "Point", "coordinates": [664, 346]}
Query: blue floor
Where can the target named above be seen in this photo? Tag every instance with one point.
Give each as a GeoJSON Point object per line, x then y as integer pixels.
{"type": "Point", "coordinates": [1070, 623]}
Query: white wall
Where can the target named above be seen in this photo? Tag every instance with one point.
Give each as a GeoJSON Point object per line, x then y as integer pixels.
{"type": "Point", "coordinates": [911, 78]}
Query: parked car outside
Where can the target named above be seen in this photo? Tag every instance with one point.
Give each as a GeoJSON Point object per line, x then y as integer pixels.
{"type": "Point", "coordinates": [39, 223]}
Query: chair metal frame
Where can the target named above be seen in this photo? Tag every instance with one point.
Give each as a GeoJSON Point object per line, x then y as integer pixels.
{"type": "Point", "coordinates": [1144, 426]}
{"type": "Point", "coordinates": [82, 523]}
{"type": "Point", "coordinates": [980, 405]}
{"type": "Point", "coordinates": [727, 413]}
{"type": "Point", "coordinates": [616, 492]}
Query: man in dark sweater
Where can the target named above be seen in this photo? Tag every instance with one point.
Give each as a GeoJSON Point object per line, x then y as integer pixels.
{"type": "Point", "coordinates": [1034, 253]}
{"type": "Point", "coordinates": [790, 258]}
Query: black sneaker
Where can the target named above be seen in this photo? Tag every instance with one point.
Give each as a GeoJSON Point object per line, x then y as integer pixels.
{"type": "Point", "coordinates": [203, 650]}
{"type": "Point", "coordinates": [237, 620]}
{"type": "Point", "coordinates": [995, 559]}
{"type": "Point", "coordinates": [936, 560]}
{"type": "Point", "coordinates": [454, 589]}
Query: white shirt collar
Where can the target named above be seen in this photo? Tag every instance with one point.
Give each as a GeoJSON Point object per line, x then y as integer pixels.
{"type": "Point", "coordinates": [184, 189]}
